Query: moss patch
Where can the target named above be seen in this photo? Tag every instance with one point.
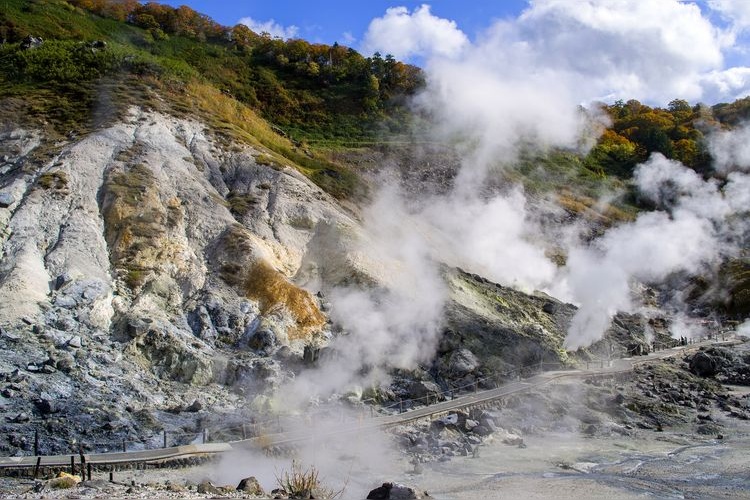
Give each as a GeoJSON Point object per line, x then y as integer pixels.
{"type": "Point", "coordinates": [57, 180]}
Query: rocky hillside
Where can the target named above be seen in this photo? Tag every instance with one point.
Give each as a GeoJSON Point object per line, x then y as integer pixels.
{"type": "Point", "coordinates": [167, 256]}
{"type": "Point", "coordinates": [151, 279]}
{"type": "Point", "coordinates": [143, 256]}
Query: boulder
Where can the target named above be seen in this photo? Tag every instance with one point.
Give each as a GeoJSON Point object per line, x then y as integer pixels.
{"type": "Point", "coordinates": [481, 430]}
{"type": "Point", "coordinates": [424, 390]}
{"type": "Point", "coordinates": [201, 324]}
{"type": "Point", "coordinates": [46, 406]}
{"type": "Point", "coordinates": [389, 491]}
{"type": "Point", "coordinates": [703, 364]}
{"type": "Point", "coordinates": [470, 424]}
{"type": "Point", "coordinates": [6, 200]}
{"type": "Point", "coordinates": [31, 42]}
{"type": "Point", "coordinates": [137, 327]}
{"type": "Point", "coordinates": [194, 407]}
{"type": "Point", "coordinates": [263, 341]}
{"type": "Point", "coordinates": [462, 362]}
{"type": "Point", "coordinates": [65, 362]}
{"type": "Point", "coordinates": [250, 486]}
{"type": "Point", "coordinates": [63, 481]}
{"type": "Point", "coordinates": [511, 439]}
{"type": "Point", "coordinates": [206, 487]}
{"type": "Point", "coordinates": [62, 280]}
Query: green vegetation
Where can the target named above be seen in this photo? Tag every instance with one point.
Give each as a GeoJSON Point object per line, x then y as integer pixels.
{"type": "Point", "coordinates": [310, 92]}
{"type": "Point", "coordinates": [296, 101]}
{"type": "Point", "coordinates": [638, 130]}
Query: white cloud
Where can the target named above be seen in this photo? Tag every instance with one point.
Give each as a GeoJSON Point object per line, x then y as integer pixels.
{"type": "Point", "coordinates": [598, 49]}
{"type": "Point", "coordinates": [737, 12]}
{"type": "Point", "coordinates": [271, 27]}
{"type": "Point", "coordinates": [407, 34]}
{"type": "Point", "coordinates": [726, 85]}
{"type": "Point", "coordinates": [653, 51]}
{"type": "Point", "coordinates": [348, 39]}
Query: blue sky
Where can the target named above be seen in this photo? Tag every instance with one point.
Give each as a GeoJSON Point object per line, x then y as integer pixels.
{"type": "Point", "coordinates": [330, 21]}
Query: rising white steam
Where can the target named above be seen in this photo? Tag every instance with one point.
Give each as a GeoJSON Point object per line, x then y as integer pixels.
{"type": "Point", "coordinates": [695, 228]}
{"type": "Point", "coordinates": [519, 88]}
{"type": "Point", "coordinates": [731, 149]}
{"type": "Point", "coordinates": [393, 326]}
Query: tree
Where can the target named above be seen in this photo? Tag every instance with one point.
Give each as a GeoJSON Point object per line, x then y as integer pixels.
{"type": "Point", "coordinates": [678, 105]}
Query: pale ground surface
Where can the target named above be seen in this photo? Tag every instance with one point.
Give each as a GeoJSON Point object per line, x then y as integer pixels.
{"type": "Point", "coordinates": [580, 468]}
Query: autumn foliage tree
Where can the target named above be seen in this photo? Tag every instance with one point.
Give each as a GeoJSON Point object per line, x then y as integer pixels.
{"type": "Point", "coordinates": [639, 130]}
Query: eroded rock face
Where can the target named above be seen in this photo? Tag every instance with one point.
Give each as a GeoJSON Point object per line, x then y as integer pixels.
{"type": "Point", "coordinates": [146, 266]}
{"type": "Point", "coordinates": [492, 329]}
{"type": "Point", "coordinates": [138, 260]}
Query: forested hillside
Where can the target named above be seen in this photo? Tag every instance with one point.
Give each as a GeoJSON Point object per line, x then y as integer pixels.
{"type": "Point", "coordinates": [310, 90]}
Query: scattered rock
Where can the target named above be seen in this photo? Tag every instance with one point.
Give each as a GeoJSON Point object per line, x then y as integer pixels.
{"type": "Point", "coordinates": [19, 419]}
{"type": "Point", "coordinates": [392, 491]}
{"type": "Point", "coordinates": [6, 200]}
{"type": "Point", "coordinates": [251, 486]}
{"type": "Point", "coordinates": [703, 365]}
{"type": "Point", "coordinates": [63, 481]}
{"type": "Point", "coordinates": [206, 487]}
{"type": "Point", "coordinates": [46, 406]}
{"type": "Point", "coordinates": [194, 407]}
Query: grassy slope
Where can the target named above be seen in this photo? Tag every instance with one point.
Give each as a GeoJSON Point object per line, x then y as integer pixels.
{"type": "Point", "coordinates": [70, 88]}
